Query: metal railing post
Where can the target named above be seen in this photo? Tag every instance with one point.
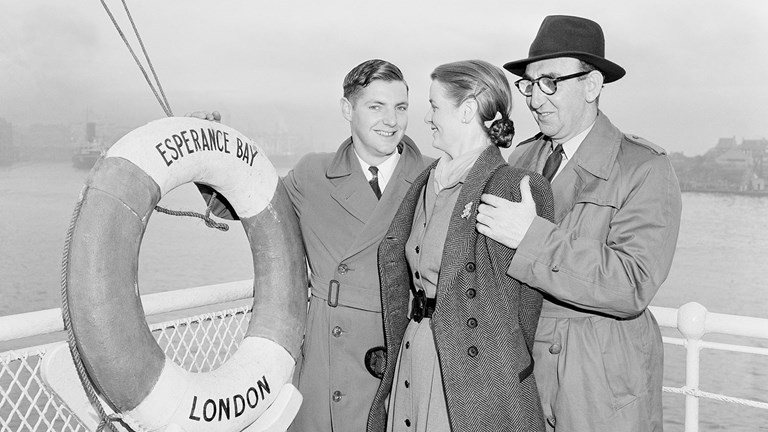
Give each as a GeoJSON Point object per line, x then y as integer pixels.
{"type": "Point", "coordinates": [691, 322]}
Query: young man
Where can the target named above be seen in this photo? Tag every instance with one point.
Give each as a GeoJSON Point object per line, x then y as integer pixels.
{"type": "Point", "coordinates": [342, 222]}
{"type": "Point", "coordinates": [598, 351]}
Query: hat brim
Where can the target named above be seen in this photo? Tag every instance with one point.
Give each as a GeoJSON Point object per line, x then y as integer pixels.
{"type": "Point", "coordinates": [611, 71]}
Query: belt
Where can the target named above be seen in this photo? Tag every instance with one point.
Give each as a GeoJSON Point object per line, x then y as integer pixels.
{"type": "Point", "coordinates": [348, 295]}
{"type": "Point", "coordinates": [551, 308]}
{"type": "Point", "coordinates": [422, 306]}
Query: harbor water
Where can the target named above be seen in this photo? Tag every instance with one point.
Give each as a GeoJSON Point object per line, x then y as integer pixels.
{"type": "Point", "coordinates": [721, 262]}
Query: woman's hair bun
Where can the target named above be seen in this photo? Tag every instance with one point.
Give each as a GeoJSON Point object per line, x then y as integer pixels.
{"type": "Point", "coordinates": [501, 132]}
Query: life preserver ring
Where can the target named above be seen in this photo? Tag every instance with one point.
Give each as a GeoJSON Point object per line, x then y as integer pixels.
{"type": "Point", "coordinates": [122, 359]}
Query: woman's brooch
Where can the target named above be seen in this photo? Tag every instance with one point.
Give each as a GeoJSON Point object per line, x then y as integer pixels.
{"type": "Point", "coordinates": [467, 211]}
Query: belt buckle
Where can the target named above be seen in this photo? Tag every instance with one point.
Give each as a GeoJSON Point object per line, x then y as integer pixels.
{"type": "Point", "coordinates": [419, 306]}
{"type": "Point", "coordinates": [333, 293]}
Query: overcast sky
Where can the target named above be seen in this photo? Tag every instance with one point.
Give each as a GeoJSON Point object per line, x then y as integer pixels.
{"type": "Point", "coordinates": [696, 70]}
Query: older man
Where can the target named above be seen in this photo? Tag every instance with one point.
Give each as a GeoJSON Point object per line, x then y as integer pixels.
{"type": "Point", "coordinates": [598, 351]}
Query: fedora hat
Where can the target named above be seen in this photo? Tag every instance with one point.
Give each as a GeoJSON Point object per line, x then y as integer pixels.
{"type": "Point", "coordinates": [569, 36]}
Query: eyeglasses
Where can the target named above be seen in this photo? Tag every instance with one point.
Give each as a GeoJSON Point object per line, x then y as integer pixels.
{"type": "Point", "coordinates": [547, 84]}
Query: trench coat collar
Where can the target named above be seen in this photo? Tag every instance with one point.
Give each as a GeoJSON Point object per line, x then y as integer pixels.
{"type": "Point", "coordinates": [597, 153]}
{"type": "Point", "coordinates": [463, 234]}
{"type": "Point", "coordinates": [353, 193]}
{"type": "Point", "coordinates": [594, 159]}
{"type": "Point", "coordinates": [530, 158]}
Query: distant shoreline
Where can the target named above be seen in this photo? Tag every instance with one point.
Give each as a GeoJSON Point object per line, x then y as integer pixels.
{"type": "Point", "coordinates": [757, 193]}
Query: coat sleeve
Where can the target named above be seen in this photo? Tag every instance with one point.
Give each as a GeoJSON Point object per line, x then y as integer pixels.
{"type": "Point", "coordinates": [293, 188]}
{"type": "Point", "coordinates": [619, 274]}
{"type": "Point", "coordinates": [300, 180]}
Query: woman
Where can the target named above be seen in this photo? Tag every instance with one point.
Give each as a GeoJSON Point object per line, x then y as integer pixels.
{"type": "Point", "coordinates": [464, 343]}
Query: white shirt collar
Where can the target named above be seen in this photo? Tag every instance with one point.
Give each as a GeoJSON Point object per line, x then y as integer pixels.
{"type": "Point", "coordinates": [386, 169]}
{"type": "Point", "coordinates": [570, 147]}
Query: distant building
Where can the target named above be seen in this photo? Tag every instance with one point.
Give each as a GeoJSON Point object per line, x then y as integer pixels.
{"type": "Point", "coordinates": [723, 145]}
{"type": "Point", "coordinates": [736, 158]}
{"type": "Point", "coordinates": [757, 184]}
{"type": "Point", "coordinates": [755, 145]}
{"type": "Point", "coordinates": [743, 163]}
{"type": "Point", "coordinates": [729, 166]}
{"type": "Point", "coordinates": [759, 149]}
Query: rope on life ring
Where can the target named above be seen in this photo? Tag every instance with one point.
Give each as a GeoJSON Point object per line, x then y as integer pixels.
{"type": "Point", "coordinates": [122, 359]}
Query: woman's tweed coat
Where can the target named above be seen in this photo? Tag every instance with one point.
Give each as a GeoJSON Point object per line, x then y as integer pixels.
{"type": "Point", "coordinates": [487, 370]}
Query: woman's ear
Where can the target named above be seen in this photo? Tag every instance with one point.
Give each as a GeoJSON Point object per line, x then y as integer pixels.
{"type": "Point", "coordinates": [468, 110]}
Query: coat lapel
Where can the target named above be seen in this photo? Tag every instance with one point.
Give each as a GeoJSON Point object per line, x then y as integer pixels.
{"type": "Point", "coordinates": [594, 159]}
{"type": "Point", "coordinates": [351, 190]}
{"type": "Point", "coordinates": [461, 230]}
{"type": "Point", "coordinates": [565, 188]}
{"type": "Point", "coordinates": [355, 194]}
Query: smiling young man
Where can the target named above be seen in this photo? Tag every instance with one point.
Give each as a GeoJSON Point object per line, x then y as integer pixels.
{"type": "Point", "coordinates": [343, 220]}
{"type": "Point", "coordinates": [598, 354]}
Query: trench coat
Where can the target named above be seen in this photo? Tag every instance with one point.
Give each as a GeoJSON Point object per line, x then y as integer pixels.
{"type": "Point", "coordinates": [342, 224]}
{"type": "Point", "coordinates": [598, 352]}
{"type": "Point", "coordinates": [484, 321]}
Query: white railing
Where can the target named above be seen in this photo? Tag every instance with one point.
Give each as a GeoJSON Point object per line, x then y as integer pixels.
{"type": "Point", "coordinates": [50, 320]}
{"type": "Point", "coordinates": [203, 341]}
{"type": "Point", "coordinates": [693, 321]}
{"type": "Point", "coordinates": [200, 342]}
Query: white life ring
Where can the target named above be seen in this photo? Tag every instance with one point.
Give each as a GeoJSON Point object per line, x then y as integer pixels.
{"type": "Point", "coordinates": [123, 360]}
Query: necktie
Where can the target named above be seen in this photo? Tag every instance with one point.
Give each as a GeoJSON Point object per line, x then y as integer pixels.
{"type": "Point", "coordinates": [553, 163]}
{"type": "Point", "coordinates": [374, 182]}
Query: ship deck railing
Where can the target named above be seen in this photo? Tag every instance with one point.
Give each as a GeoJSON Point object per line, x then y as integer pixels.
{"type": "Point", "coordinates": [199, 328]}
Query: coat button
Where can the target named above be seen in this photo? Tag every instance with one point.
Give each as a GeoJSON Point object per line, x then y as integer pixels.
{"type": "Point", "coordinates": [407, 422]}
{"type": "Point", "coordinates": [337, 331]}
{"type": "Point", "coordinates": [407, 384]}
{"type": "Point", "coordinates": [407, 345]}
{"type": "Point", "coordinates": [343, 268]}
{"type": "Point", "coordinates": [417, 249]}
{"type": "Point", "coordinates": [416, 275]}
{"type": "Point", "coordinates": [471, 293]}
{"type": "Point", "coordinates": [555, 349]}
{"type": "Point", "coordinates": [472, 351]}
{"type": "Point", "coordinates": [470, 267]}
{"type": "Point", "coordinates": [337, 396]}
{"type": "Point", "coordinates": [471, 323]}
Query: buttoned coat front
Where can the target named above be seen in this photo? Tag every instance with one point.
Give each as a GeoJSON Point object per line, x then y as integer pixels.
{"type": "Point", "coordinates": [598, 348]}
{"type": "Point", "coordinates": [342, 224]}
{"type": "Point", "coordinates": [486, 368]}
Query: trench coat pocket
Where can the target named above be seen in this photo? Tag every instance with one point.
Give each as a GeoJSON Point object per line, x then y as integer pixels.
{"type": "Point", "coordinates": [591, 214]}
{"type": "Point", "coordinates": [625, 358]}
